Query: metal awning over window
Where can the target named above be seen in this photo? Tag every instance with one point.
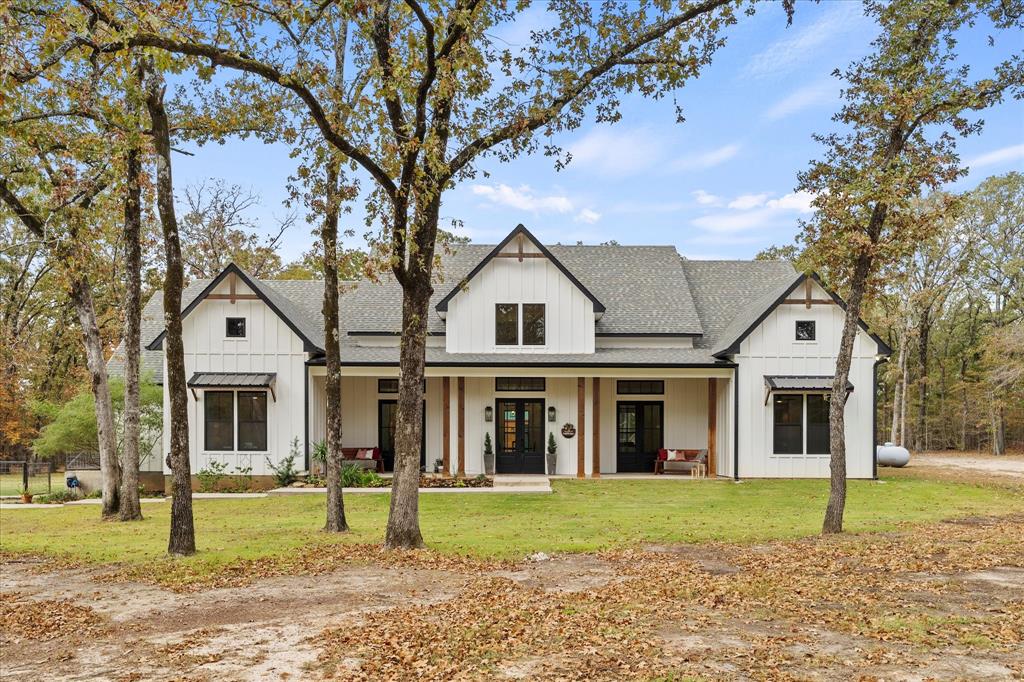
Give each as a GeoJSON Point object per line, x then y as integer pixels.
{"type": "Point", "coordinates": [803, 383]}
{"type": "Point", "coordinates": [231, 380]}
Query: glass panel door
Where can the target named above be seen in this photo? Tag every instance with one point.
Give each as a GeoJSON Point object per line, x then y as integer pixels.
{"type": "Point", "coordinates": [387, 418]}
{"type": "Point", "coordinates": [640, 433]}
{"type": "Point", "coordinates": [520, 436]}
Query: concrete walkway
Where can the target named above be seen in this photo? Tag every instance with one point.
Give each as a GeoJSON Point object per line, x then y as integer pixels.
{"type": "Point", "coordinates": [502, 484]}
{"type": "Point", "coordinates": [1007, 465]}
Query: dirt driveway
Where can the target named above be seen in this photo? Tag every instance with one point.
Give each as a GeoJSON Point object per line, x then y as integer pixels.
{"type": "Point", "coordinates": [937, 602]}
{"type": "Point", "coordinates": [1006, 465]}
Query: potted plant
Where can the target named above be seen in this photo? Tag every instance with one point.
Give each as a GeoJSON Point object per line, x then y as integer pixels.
{"type": "Point", "coordinates": [488, 455]}
{"type": "Point", "coordinates": [439, 466]}
{"type": "Point", "coordinates": [26, 496]}
{"type": "Point", "coordinates": [552, 454]}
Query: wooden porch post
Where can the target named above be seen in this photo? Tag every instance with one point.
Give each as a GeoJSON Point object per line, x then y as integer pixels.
{"type": "Point", "coordinates": [461, 436]}
{"type": "Point", "coordinates": [446, 424]}
{"type": "Point", "coordinates": [712, 425]}
{"type": "Point", "coordinates": [595, 468]}
{"type": "Point", "coordinates": [581, 431]}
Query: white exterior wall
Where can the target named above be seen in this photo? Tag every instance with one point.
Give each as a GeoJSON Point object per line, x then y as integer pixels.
{"type": "Point", "coordinates": [569, 315]}
{"type": "Point", "coordinates": [771, 349]}
{"type": "Point", "coordinates": [269, 346]}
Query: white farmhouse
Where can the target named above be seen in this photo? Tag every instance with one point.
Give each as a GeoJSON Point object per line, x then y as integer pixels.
{"type": "Point", "coordinates": [620, 352]}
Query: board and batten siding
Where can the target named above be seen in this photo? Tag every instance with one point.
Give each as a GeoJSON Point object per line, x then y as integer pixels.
{"type": "Point", "coordinates": [772, 349]}
{"type": "Point", "coordinates": [569, 314]}
{"type": "Point", "coordinates": [269, 346]}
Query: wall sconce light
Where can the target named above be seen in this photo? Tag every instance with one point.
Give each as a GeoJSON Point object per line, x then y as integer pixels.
{"type": "Point", "coordinates": [552, 416]}
{"type": "Point", "coordinates": [488, 414]}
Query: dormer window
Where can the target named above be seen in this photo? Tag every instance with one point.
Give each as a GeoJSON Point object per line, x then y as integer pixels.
{"type": "Point", "coordinates": [506, 324]}
{"type": "Point", "coordinates": [235, 328]}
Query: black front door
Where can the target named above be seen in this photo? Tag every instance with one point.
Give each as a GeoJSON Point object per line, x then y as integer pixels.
{"type": "Point", "coordinates": [639, 435]}
{"type": "Point", "coordinates": [520, 441]}
{"type": "Point", "coordinates": [387, 417]}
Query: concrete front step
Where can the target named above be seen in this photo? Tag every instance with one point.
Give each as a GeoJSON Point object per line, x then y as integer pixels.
{"type": "Point", "coordinates": [536, 482]}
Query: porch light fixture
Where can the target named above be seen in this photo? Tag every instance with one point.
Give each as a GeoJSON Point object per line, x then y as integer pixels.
{"type": "Point", "coordinates": [488, 414]}
{"type": "Point", "coordinates": [552, 415]}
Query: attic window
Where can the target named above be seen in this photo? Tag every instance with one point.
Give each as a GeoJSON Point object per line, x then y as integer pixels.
{"type": "Point", "coordinates": [235, 328]}
{"type": "Point", "coordinates": [805, 330]}
{"type": "Point", "coordinates": [506, 324]}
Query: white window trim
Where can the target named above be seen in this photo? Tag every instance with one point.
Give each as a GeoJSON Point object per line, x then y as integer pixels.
{"type": "Point", "coordinates": [520, 321]}
{"type": "Point", "coordinates": [244, 337]}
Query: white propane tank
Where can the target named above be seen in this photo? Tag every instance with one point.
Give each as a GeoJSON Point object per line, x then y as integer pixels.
{"type": "Point", "coordinates": [892, 455]}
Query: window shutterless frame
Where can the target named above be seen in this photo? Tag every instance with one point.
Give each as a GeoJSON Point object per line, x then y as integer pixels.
{"type": "Point", "coordinates": [805, 330]}
{"type": "Point", "coordinates": [506, 324]}
{"type": "Point", "coordinates": [534, 331]}
{"type": "Point", "coordinates": [219, 421]}
{"type": "Point", "coordinates": [234, 327]}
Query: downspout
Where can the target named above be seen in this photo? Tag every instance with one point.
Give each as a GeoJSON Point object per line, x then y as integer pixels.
{"type": "Point", "coordinates": [305, 408]}
{"type": "Point", "coordinates": [736, 423]}
{"type": "Point", "coordinates": [874, 416]}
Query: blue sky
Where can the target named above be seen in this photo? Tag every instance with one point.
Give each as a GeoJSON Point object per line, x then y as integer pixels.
{"type": "Point", "coordinates": [719, 185]}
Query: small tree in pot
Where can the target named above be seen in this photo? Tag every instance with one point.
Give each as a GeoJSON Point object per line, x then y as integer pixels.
{"type": "Point", "coordinates": [552, 454]}
{"type": "Point", "coordinates": [488, 455]}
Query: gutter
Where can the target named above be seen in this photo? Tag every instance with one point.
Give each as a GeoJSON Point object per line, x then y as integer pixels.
{"type": "Point", "coordinates": [306, 414]}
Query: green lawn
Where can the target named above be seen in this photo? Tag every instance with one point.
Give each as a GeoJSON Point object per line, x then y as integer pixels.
{"type": "Point", "coordinates": [578, 516]}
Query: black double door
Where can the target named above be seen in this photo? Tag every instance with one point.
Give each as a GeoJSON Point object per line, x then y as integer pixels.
{"type": "Point", "coordinates": [640, 433]}
{"type": "Point", "coordinates": [520, 436]}
{"type": "Point", "coordinates": [387, 417]}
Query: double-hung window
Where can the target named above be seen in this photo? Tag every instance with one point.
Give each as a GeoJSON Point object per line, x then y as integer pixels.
{"type": "Point", "coordinates": [219, 418]}
{"type": "Point", "coordinates": [800, 424]}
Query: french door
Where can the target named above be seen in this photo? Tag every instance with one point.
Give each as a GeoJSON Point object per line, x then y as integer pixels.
{"type": "Point", "coordinates": [387, 417]}
{"type": "Point", "coordinates": [520, 436]}
{"type": "Point", "coordinates": [639, 434]}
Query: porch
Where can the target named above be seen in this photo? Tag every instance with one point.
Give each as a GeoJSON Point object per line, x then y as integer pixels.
{"type": "Point", "coordinates": [609, 421]}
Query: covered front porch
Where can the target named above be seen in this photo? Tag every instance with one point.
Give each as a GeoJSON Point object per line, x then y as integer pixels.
{"type": "Point", "coordinates": [602, 420]}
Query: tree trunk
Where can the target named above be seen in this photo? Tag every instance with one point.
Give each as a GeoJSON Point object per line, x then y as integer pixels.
{"type": "Point", "coordinates": [131, 510]}
{"type": "Point", "coordinates": [998, 427]}
{"type": "Point", "coordinates": [182, 539]}
{"type": "Point", "coordinates": [81, 295]}
{"type": "Point", "coordinates": [836, 421]}
{"type": "Point", "coordinates": [336, 522]}
{"type": "Point", "coordinates": [921, 431]}
{"type": "Point", "coordinates": [403, 529]}
{"type": "Point", "coordinates": [899, 392]}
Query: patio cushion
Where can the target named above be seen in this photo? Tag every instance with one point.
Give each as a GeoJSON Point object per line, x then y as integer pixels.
{"type": "Point", "coordinates": [364, 454]}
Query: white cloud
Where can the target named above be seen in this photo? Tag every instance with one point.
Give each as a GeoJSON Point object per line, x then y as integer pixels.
{"type": "Point", "coordinates": [784, 55]}
{"type": "Point", "coordinates": [803, 98]}
{"type": "Point", "coordinates": [523, 198]}
{"type": "Point", "coordinates": [616, 152]}
{"type": "Point", "coordinates": [587, 216]}
{"type": "Point", "coordinates": [706, 159]}
{"type": "Point", "coordinates": [794, 201]}
{"type": "Point", "coordinates": [1011, 153]}
{"type": "Point", "coordinates": [706, 199]}
{"type": "Point", "coordinates": [745, 202]}
{"type": "Point", "coordinates": [736, 222]}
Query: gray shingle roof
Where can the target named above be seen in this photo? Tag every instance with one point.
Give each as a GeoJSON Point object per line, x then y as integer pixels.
{"type": "Point", "coordinates": [645, 289]}
{"type": "Point", "coordinates": [731, 294]}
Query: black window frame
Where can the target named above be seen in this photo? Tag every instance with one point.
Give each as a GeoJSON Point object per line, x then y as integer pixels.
{"type": "Point", "coordinates": [250, 422]}
{"type": "Point", "coordinates": [520, 384]}
{"type": "Point", "coordinates": [642, 386]}
{"type": "Point", "coordinates": [227, 327]}
{"type": "Point", "coordinates": [500, 324]}
{"type": "Point", "coordinates": [821, 428]}
{"type": "Point", "coordinates": [387, 385]}
{"type": "Point", "coordinates": [813, 329]}
{"type": "Point", "coordinates": [206, 421]}
{"type": "Point", "coordinates": [777, 426]}
{"type": "Point", "coordinates": [542, 341]}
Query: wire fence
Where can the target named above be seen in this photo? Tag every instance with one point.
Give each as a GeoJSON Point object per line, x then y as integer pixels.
{"type": "Point", "coordinates": [17, 477]}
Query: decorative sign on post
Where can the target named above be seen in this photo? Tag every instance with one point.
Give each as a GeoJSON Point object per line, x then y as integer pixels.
{"type": "Point", "coordinates": [568, 430]}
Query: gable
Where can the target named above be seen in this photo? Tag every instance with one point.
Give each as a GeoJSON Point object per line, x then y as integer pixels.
{"type": "Point", "coordinates": [520, 244]}
{"type": "Point", "coordinates": [306, 330]}
{"type": "Point", "coordinates": [804, 289]}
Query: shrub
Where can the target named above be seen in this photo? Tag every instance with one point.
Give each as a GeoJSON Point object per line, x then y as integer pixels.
{"type": "Point", "coordinates": [58, 496]}
{"type": "Point", "coordinates": [357, 477]}
{"type": "Point", "coordinates": [210, 475]}
{"type": "Point", "coordinates": [243, 478]}
{"type": "Point", "coordinates": [285, 472]}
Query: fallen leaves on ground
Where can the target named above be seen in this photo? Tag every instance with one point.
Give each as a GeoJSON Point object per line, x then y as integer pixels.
{"type": "Point", "coordinates": [846, 604]}
{"type": "Point", "coordinates": [194, 576]}
{"type": "Point", "coordinates": [23, 618]}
